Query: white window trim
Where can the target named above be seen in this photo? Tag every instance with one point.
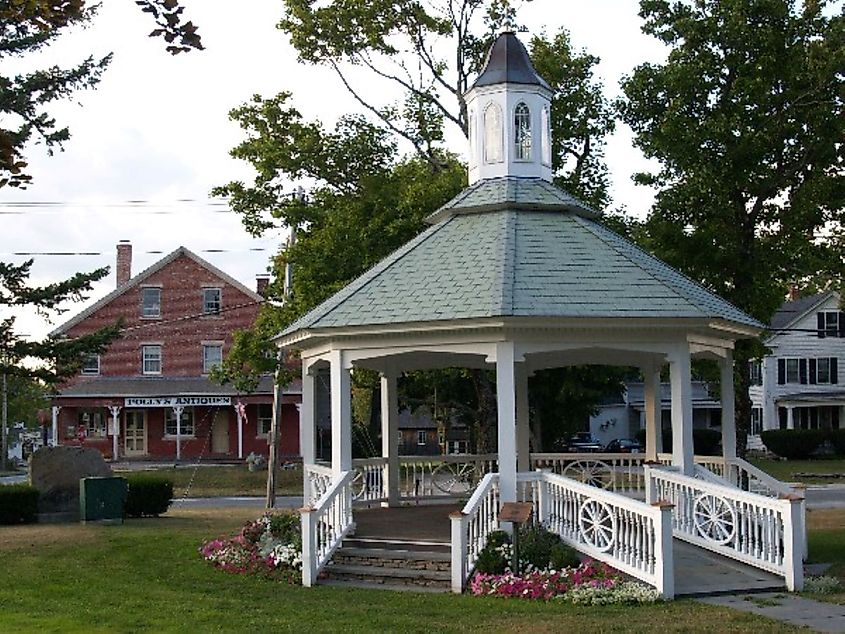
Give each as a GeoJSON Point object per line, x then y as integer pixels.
{"type": "Point", "coordinates": [421, 433]}
{"type": "Point", "coordinates": [219, 310]}
{"type": "Point", "coordinates": [488, 157]}
{"type": "Point", "coordinates": [170, 412]}
{"type": "Point", "coordinates": [144, 346]}
{"type": "Point", "coordinates": [258, 419]}
{"type": "Point", "coordinates": [151, 287]}
{"type": "Point", "coordinates": [516, 146]}
{"type": "Point", "coordinates": [797, 380]}
{"type": "Point", "coordinates": [211, 344]}
{"type": "Point", "coordinates": [818, 362]}
{"type": "Point", "coordinates": [546, 137]}
{"type": "Point", "coordinates": [96, 372]}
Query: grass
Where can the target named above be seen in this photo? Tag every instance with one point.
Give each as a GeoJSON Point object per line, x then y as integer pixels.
{"type": "Point", "coordinates": [827, 545]}
{"type": "Point", "coordinates": [147, 576]}
{"type": "Point", "coordinates": [227, 480]}
{"type": "Point", "coordinates": [786, 470]}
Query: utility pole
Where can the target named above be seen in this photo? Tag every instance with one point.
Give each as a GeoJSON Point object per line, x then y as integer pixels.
{"type": "Point", "coordinates": [4, 464]}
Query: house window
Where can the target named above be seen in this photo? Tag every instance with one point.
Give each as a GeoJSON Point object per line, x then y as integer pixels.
{"type": "Point", "coordinates": [756, 421]}
{"type": "Point", "coordinates": [93, 422]}
{"type": "Point", "coordinates": [831, 323]}
{"type": "Point", "coordinates": [212, 356]}
{"type": "Point", "coordinates": [471, 123]}
{"type": "Point", "coordinates": [422, 437]}
{"type": "Point", "coordinates": [755, 372]}
{"type": "Point", "coordinates": [546, 138]}
{"type": "Point", "coordinates": [187, 422]}
{"type": "Point", "coordinates": [150, 302]}
{"type": "Point", "coordinates": [265, 419]}
{"type": "Point", "coordinates": [211, 301]}
{"type": "Point", "coordinates": [493, 134]}
{"type": "Point", "coordinates": [151, 359]}
{"type": "Point", "coordinates": [793, 371]}
{"type": "Point", "coordinates": [91, 364]}
{"type": "Point", "coordinates": [823, 371]}
{"type": "Point", "coordinates": [522, 132]}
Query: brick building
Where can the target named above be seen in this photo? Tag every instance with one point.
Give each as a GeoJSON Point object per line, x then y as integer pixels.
{"type": "Point", "coordinates": [178, 319]}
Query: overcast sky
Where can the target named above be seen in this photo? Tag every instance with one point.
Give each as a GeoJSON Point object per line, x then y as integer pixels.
{"type": "Point", "coordinates": [152, 140]}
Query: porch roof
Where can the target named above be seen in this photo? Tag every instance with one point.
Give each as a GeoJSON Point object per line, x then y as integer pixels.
{"type": "Point", "coordinates": [120, 387]}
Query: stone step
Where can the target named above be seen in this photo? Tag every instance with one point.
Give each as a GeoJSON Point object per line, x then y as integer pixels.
{"type": "Point", "coordinates": [374, 585]}
{"type": "Point", "coordinates": [410, 578]}
{"type": "Point", "coordinates": [398, 544]}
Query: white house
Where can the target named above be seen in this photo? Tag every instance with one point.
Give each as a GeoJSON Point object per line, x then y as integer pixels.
{"type": "Point", "coordinates": [798, 385]}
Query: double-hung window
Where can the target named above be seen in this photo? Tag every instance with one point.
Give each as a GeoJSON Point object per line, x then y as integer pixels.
{"type": "Point", "coordinates": [211, 301]}
{"type": "Point", "coordinates": [150, 302]}
{"type": "Point", "coordinates": [793, 371]}
{"type": "Point", "coordinates": [186, 427]}
{"type": "Point", "coordinates": [265, 418]}
{"type": "Point", "coordinates": [422, 437]}
{"type": "Point", "coordinates": [212, 356]}
{"type": "Point", "coordinates": [831, 323]}
{"type": "Point", "coordinates": [151, 359]}
{"type": "Point", "coordinates": [91, 364]}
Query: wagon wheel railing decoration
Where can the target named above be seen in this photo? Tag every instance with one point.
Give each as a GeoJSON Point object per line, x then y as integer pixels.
{"type": "Point", "coordinates": [597, 525]}
{"type": "Point", "coordinates": [715, 518]}
{"type": "Point", "coordinates": [455, 478]}
{"type": "Point", "coordinates": [593, 472]}
{"type": "Point", "coordinates": [366, 484]}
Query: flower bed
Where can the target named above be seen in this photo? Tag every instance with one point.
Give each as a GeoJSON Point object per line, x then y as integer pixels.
{"type": "Point", "coordinates": [271, 547]}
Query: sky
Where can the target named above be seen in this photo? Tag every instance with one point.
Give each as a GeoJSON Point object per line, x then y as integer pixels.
{"type": "Point", "coordinates": [150, 142]}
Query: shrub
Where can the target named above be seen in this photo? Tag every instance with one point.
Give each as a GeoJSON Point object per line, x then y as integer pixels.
{"type": "Point", "coordinates": [563, 556]}
{"type": "Point", "coordinates": [705, 442]}
{"type": "Point", "coordinates": [535, 547]}
{"type": "Point", "coordinates": [539, 549]}
{"type": "Point", "coordinates": [793, 444]}
{"type": "Point", "coordinates": [837, 439]}
{"type": "Point", "coordinates": [148, 495]}
{"type": "Point", "coordinates": [494, 558]}
{"type": "Point", "coordinates": [18, 504]}
{"type": "Point", "coordinates": [822, 585]}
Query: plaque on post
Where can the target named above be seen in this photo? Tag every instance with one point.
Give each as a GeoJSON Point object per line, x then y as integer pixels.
{"type": "Point", "coordinates": [516, 513]}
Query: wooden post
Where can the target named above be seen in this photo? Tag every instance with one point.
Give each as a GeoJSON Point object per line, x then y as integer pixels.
{"type": "Point", "coordinates": [683, 455]}
{"type": "Point", "coordinates": [273, 456]}
{"type": "Point", "coordinates": [523, 425]}
{"type": "Point", "coordinates": [56, 409]}
{"type": "Point", "coordinates": [390, 437]}
{"type": "Point", "coordinates": [115, 429]}
{"type": "Point", "coordinates": [726, 368]}
{"type": "Point", "coordinates": [664, 556]}
{"type": "Point", "coordinates": [506, 420]}
{"type": "Point", "coordinates": [341, 414]}
{"type": "Point", "coordinates": [793, 543]}
{"type": "Point", "coordinates": [309, 547]}
{"type": "Point", "coordinates": [239, 414]}
{"type": "Point", "coordinates": [653, 413]}
{"type": "Point", "coordinates": [459, 551]}
{"type": "Point", "coordinates": [177, 412]}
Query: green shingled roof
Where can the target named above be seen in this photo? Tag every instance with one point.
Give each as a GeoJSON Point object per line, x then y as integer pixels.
{"type": "Point", "coordinates": [550, 261]}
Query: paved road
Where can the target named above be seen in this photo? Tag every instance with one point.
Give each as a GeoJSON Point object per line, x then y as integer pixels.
{"type": "Point", "coordinates": [831, 496]}
{"type": "Point", "coordinates": [282, 502]}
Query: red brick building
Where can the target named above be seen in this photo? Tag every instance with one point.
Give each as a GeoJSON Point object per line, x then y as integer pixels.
{"type": "Point", "coordinates": [178, 319]}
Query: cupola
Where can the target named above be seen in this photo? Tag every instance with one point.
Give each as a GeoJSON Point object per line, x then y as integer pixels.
{"type": "Point", "coordinates": [509, 116]}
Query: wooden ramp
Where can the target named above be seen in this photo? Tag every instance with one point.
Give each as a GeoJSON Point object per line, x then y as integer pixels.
{"type": "Point", "coordinates": [698, 572]}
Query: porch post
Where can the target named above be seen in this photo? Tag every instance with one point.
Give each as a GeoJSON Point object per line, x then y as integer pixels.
{"type": "Point", "coordinates": [177, 411]}
{"type": "Point", "coordinates": [683, 455]}
{"type": "Point", "coordinates": [341, 414]}
{"type": "Point", "coordinates": [307, 419]}
{"type": "Point", "coordinates": [523, 428]}
{"type": "Point", "coordinates": [726, 366]}
{"type": "Point", "coordinates": [115, 429]}
{"type": "Point", "coordinates": [506, 427]}
{"type": "Point", "coordinates": [390, 437]}
{"type": "Point", "coordinates": [55, 440]}
{"type": "Point", "coordinates": [790, 417]}
{"type": "Point", "coordinates": [653, 412]}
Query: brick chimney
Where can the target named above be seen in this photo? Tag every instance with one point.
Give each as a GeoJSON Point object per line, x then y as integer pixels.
{"type": "Point", "coordinates": [261, 283]}
{"type": "Point", "coordinates": [124, 262]}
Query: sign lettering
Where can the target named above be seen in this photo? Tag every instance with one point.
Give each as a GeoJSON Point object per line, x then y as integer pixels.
{"type": "Point", "coordinates": [177, 401]}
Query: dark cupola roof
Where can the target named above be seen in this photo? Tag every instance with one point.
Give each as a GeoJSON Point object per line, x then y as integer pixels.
{"type": "Point", "coordinates": [508, 62]}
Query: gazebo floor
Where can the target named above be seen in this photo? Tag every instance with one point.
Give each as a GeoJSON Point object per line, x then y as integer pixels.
{"type": "Point", "coordinates": [698, 572]}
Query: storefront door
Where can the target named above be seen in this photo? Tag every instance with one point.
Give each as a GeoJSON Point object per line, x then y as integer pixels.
{"type": "Point", "coordinates": [220, 433]}
{"type": "Point", "coordinates": [135, 439]}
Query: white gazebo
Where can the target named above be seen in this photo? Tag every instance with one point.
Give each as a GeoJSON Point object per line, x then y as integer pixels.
{"type": "Point", "coordinates": [515, 275]}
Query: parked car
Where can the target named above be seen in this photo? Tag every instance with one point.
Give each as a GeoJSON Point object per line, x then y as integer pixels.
{"type": "Point", "coordinates": [584, 441]}
{"type": "Point", "coordinates": [624, 445]}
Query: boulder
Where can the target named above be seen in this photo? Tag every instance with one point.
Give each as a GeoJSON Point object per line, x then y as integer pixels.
{"type": "Point", "coordinates": [56, 471]}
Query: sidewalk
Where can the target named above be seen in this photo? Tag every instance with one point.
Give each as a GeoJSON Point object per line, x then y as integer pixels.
{"type": "Point", "coordinates": [789, 608]}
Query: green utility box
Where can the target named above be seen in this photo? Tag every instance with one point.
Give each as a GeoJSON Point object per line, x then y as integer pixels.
{"type": "Point", "coordinates": [102, 499]}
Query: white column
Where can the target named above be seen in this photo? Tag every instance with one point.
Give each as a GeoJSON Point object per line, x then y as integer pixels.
{"type": "Point", "coordinates": [240, 412]}
{"type": "Point", "coordinates": [681, 380]}
{"type": "Point", "coordinates": [523, 425]}
{"type": "Point", "coordinates": [341, 414]}
{"type": "Point", "coordinates": [726, 367]}
{"type": "Point", "coordinates": [177, 411]}
{"type": "Point", "coordinates": [653, 412]}
{"type": "Point", "coordinates": [55, 440]}
{"type": "Point", "coordinates": [115, 429]}
{"type": "Point", "coordinates": [506, 405]}
{"type": "Point", "coordinates": [307, 422]}
{"type": "Point", "coordinates": [790, 417]}
{"type": "Point", "coordinates": [390, 437]}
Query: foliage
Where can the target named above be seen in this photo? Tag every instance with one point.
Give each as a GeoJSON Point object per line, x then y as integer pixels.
{"type": "Point", "coordinates": [745, 117]}
{"type": "Point", "coordinates": [539, 549]}
{"type": "Point", "coordinates": [793, 443]}
{"type": "Point", "coordinates": [614, 593]}
{"type": "Point", "coordinates": [180, 36]}
{"type": "Point", "coordinates": [837, 439]}
{"type": "Point", "coordinates": [26, 396]}
{"type": "Point", "coordinates": [270, 547]}
{"type": "Point", "coordinates": [148, 496]}
{"type": "Point", "coordinates": [18, 504]}
{"type": "Point", "coordinates": [705, 442]}
{"type": "Point", "coordinates": [822, 585]}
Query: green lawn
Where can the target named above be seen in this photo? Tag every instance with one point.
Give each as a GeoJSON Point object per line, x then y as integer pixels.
{"type": "Point", "coordinates": [209, 481]}
{"type": "Point", "coordinates": [787, 470]}
{"type": "Point", "coordinates": [827, 545]}
{"type": "Point", "coordinates": [147, 576]}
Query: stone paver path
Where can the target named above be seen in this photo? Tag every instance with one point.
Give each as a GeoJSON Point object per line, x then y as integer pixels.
{"type": "Point", "coordinates": [818, 616]}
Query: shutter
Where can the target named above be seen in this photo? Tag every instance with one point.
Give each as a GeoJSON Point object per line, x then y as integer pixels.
{"type": "Point", "coordinates": [813, 368]}
{"type": "Point", "coordinates": [781, 371]}
{"type": "Point", "coordinates": [834, 417]}
{"type": "Point", "coordinates": [834, 370]}
{"type": "Point", "coordinates": [802, 371]}
{"type": "Point", "coordinates": [842, 324]}
{"type": "Point", "coordinates": [820, 324]}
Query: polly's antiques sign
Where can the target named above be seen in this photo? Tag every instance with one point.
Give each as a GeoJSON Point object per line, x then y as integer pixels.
{"type": "Point", "coordinates": [177, 401]}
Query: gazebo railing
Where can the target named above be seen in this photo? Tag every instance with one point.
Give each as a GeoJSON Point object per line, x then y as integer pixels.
{"type": "Point", "coordinates": [318, 479]}
{"type": "Point", "coordinates": [618, 472]}
{"type": "Point", "coordinates": [627, 534]}
{"type": "Point", "coordinates": [470, 528]}
{"type": "Point", "coordinates": [760, 531]}
{"type": "Point", "coordinates": [324, 526]}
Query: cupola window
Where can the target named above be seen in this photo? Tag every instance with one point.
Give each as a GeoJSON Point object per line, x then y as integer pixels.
{"type": "Point", "coordinates": [471, 123]}
{"type": "Point", "coordinates": [493, 149]}
{"type": "Point", "coordinates": [546, 139]}
{"type": "Point", "coordinates": [522, 132]}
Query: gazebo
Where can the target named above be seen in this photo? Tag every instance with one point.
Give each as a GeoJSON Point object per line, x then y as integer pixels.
{"type": "Point", "coordinates": [516, 275]}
